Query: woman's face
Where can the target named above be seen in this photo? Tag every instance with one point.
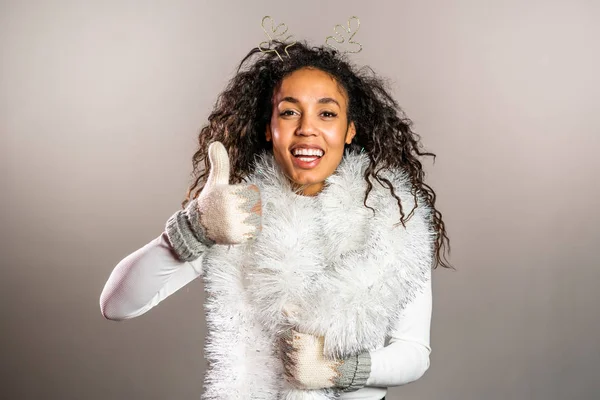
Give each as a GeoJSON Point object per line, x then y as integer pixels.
{"type": "Point", "coordinates": [309, 127]}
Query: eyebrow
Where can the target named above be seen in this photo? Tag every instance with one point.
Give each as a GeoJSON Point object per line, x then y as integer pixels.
{"type": "Point", "coordinates": [324, 100]}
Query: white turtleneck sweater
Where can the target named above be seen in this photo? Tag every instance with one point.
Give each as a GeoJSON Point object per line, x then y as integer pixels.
{"type": "Point", "coordinates": [151, 274]}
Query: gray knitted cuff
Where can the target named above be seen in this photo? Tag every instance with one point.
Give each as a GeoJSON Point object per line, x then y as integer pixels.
{"type": "Point", "coordinates": [354, 372]}
{"type": "Point", "coordinates": [186, 234]}
{"type": "Point", "coordinates": [193, 217]}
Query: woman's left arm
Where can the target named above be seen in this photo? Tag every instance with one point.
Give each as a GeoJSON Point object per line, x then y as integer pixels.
{"type": "Point", "coordinates": [406, 358]}
{"type": "Point", "coordinates": [403, 360]}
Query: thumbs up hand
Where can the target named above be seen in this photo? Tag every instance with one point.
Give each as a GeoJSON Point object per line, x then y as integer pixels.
{"type": "Point", "coordinates": [230, 214]}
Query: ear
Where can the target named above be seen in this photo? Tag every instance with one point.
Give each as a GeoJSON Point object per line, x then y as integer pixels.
{"type": "Point", "coordinates": [350, 133]}
{"type": "Point", "coordinates": [268, 133]}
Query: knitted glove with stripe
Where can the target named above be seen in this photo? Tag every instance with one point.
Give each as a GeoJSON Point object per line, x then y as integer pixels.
{"type": "Point", "coordinates": [307, 368]}
{"type": "Point", "coordinates": [222, 213]}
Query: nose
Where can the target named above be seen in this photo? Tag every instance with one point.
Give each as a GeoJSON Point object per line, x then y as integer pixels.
{"type": "Point", "coordinates": [306, 127]}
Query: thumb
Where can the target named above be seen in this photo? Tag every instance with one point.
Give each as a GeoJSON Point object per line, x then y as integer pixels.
{"type": "Point", "coordinates": [219, 165]}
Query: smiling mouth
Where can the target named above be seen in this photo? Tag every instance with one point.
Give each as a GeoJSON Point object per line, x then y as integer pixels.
{"type": "Point", "coordinates": [307, 155]}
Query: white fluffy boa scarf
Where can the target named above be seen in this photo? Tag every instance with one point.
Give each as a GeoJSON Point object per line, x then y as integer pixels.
{"type": "Point", "coordinates": [345, 271]}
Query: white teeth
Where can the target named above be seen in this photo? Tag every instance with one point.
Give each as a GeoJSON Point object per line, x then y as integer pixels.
{"type": "Point", "coordinates": [308, 152]}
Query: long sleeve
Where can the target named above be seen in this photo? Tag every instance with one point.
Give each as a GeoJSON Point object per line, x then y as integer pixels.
{"type": "Point", "coordinates": [406, 357]}
{"type": "Point", "coordinates": [149, 275]}
{"type": "Point", "coordinates": [145, 278]}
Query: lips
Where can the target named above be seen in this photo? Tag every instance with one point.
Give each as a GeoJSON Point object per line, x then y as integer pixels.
{"type": "Point", "coordinates": [306, 156]}
{"type": "Point", "coordinates": [307, 153]}
{"type": "Point", "coordinates": [307, 150]}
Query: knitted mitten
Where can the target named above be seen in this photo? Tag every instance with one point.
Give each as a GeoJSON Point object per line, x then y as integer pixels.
{"type": "Point", "coordinates": [222, 213]}
{"type": "Point", "coordinates": [307, 368]}
{"type": "Point", "coordinates": [230, 214]}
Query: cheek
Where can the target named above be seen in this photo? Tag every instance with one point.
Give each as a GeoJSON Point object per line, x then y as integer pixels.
{"type": "Point", "coordinates": [281, 131]}
{"type": "Point", "coordinates": [336, 139]}
{"type": "Point", "coordinates": [282, 136]}
{"type": "Point", "coordinates": [280, 144]}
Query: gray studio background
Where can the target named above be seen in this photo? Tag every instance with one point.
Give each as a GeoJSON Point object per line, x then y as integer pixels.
{"type": "Point", "coordinates": [100, 104]}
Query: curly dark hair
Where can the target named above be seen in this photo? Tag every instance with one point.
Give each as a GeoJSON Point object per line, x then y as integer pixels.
{"type": "Point", "coordinates": [243, 110]}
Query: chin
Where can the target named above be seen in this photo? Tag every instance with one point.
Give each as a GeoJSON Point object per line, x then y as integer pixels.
{"type": "Point", "coordinates": [308, 178]}
{"type": "Point", "coordinates": [306, 182]}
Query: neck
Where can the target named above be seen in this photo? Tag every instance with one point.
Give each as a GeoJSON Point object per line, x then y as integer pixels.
{"type": "Point", "coordinates": [309, 190]}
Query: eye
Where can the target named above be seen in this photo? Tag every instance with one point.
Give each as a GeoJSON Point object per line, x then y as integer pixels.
{"type": "Point", "coordinates": [287, 113]}
{"type": "Point", "coordinates": [328, 114]}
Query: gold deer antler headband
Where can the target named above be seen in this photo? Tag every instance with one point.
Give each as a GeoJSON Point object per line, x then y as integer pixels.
{"type": "Point", "coordinates": [276, 32]}
{"type": "Point", "coordinates": [340, 37]}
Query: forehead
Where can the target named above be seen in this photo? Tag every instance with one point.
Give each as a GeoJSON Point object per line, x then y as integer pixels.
{"type": "Point", "coordinates": [308, 84]}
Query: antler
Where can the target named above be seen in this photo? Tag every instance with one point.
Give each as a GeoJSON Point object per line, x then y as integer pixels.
{"type": "Point", "coordinates": [274, 33]}
{"type": "Point", "coordinates": [340, 37]}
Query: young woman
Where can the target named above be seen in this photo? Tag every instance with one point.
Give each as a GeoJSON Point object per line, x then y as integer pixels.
{"type": "Point", "coordinates": [313, 229]}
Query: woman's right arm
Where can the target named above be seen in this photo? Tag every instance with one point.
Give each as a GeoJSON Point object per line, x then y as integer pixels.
{"type": "Point", "coordinates": [222, 214]}
{"type": "Point", "coordinates": [145, 278]}
{"type": "Point", "coordinates": [149, 275]}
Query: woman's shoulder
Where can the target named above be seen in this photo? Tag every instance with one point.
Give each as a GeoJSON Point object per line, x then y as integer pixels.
{"type": "Point", "coordinates": [391, 184]}
{"type": "Point", "coordinates": [355, 166]}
